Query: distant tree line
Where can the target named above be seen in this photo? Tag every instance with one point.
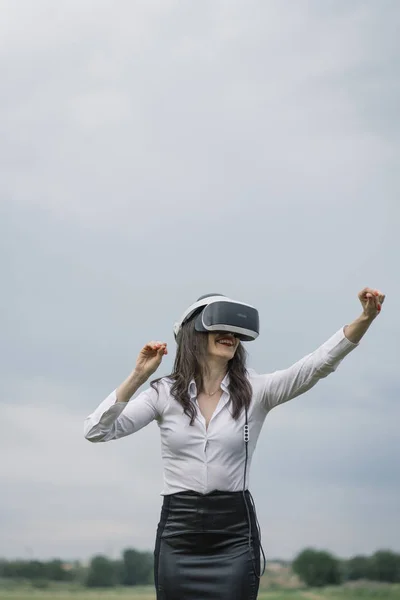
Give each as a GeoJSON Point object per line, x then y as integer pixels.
{"type": "Point", "coordinates": [31, 570]}
{"type": "Point", "coordinates": [316, 568]}
{"type": "Point", "coordinates": [134, 568]}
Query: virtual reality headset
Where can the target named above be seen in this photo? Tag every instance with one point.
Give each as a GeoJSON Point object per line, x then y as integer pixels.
{"type": "Point", "coordinates": [215, 312]}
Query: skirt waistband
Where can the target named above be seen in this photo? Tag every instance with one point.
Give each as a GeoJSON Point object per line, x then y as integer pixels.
{"type": "Point", "coordinates": [215, 500]}
{"type": "Point", "coordinates": [191, 511]}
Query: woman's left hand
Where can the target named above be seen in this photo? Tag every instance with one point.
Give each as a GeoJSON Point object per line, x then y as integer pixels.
{"type": "Point", "coordinates": [371, 301]}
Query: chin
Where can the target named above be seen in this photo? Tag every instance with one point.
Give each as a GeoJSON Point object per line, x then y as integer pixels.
{"type": "Point", "coordinates": [227, 353]}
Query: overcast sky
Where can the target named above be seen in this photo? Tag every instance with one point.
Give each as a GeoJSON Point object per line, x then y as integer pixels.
{"type": "Point", "coordinates": [153, 151]}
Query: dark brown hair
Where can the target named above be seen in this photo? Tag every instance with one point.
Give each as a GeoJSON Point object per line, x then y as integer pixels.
{"type": "Point", "coordinates": [190, 363]}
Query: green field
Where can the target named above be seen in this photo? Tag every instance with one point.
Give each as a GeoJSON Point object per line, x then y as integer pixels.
{"type": "Point", "coordinates": [342, 593]}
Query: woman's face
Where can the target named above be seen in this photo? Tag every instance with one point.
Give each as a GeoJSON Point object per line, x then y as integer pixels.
{"type": "Point", "coordinates": [222, 345]}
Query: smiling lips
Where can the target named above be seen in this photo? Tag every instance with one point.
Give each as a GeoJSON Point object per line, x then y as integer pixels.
{"type": "Point", "coordinates": [226, 341]}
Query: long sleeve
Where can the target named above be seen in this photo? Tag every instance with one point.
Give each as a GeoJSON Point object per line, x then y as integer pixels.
{"type": "Point", "coordinates": [112, 420]}
{"type": "Point", "coordinates": [281, 386]}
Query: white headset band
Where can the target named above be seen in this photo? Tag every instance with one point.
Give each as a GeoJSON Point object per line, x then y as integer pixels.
{"type": "Point", "coordinates": [203, 302]}
{"type": "Point", "coordinates": [200, 303]}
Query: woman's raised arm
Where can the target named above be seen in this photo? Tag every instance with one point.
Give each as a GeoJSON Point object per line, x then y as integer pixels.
{"type": "Point", "coordinates": [118, 416]}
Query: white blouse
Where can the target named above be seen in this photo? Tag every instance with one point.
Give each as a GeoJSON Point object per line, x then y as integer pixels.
{"type": "Point", "coordinates": [200, 459]}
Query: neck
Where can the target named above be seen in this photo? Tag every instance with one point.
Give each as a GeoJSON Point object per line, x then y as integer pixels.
{"type": "Point", "coordinates": [213, 375]}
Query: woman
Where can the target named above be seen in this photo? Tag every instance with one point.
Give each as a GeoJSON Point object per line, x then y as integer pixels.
{"type": "Point", "coordinates": [210, 412]}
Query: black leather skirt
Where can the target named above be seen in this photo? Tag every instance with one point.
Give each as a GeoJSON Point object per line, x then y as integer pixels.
{"type": "Point", "coordinates": [203, 550]}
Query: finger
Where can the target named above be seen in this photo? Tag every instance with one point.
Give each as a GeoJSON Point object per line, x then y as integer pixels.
{"type": "Point", "coordinates": [162, 345]}
{"type": "Point", "coordinates": [381, 299]}
{"type": "Point", "coordinates": [364, 292]}
{"type": "Point", "coordinates": [151, 347]}
{"type": "Point", "coordinates": [368, 299]}
{"type": "Point", "coordinates": [371, 305]}
{"type": "Point", "coordinates": [376, 299]}
{"type": "Point", "coordinates": [158, 344]}
{"type": "Point", "coordinates": [370, 302]}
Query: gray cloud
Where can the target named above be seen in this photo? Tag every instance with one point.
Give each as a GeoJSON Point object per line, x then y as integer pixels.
{"type": "Point", "coordinates": [151, 153]}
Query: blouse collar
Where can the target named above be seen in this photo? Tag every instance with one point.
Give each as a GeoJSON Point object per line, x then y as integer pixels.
{"type": "Point", "coordinates": [193, 388]}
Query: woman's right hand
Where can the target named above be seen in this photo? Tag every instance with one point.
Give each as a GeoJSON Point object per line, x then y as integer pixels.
{"type": "Point", "coordinates": [150, 358]}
